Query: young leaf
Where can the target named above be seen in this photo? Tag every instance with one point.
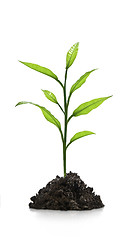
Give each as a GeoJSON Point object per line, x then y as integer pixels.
{"type": "Point", "coordinates": [79, 135]}
{"type": "Point", "coordinates": [49, 117]}
{"type": "Point", "coordinates": [71, 55]}
{"type": "Point", "coordinates": [80, 82]}
{"type": "Point", "coordinates": [43, 70]}
{"type": "Point", "coordinates": [50, 96]}
{"type": "Point", "coordinates": [87, 107]}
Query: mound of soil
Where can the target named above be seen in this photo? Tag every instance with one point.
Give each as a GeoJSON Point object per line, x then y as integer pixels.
{"type": "Point", "coordinates": [69, 193]}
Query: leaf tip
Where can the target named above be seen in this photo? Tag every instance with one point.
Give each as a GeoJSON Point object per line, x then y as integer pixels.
{"type": "Point", "coordinates": [17, 104]}
{"type": "Point", "coordinates": [21, 62]}
{"type": "Point", "coordinates": [44, 91]}
{"type": "Point", "coordinates": [76, 45]}
{"type": "Point", "coordinates": [110, 96]}
{"type": "Point", "coordinates": [94, 70]}
{"type": "Point", "coordinates": [92, 133]}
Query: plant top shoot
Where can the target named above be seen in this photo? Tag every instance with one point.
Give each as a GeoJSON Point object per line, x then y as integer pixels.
{"type": "Point", "coordinates": [82, 109]}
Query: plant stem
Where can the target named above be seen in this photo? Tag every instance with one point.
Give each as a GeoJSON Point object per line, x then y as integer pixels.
{"type": "Point", "coordinates": [65, 125]}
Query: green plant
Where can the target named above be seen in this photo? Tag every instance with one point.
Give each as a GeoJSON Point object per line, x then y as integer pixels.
{"type": "Point", "coordinates": [84, 108]}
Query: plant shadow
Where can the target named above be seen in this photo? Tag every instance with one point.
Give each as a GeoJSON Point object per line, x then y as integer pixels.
{"type": "Point", "coordinates": [67, 215]}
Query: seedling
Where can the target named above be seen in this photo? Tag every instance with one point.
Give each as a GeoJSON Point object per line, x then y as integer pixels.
{"type": "Point", "coordinates": [83, 109]}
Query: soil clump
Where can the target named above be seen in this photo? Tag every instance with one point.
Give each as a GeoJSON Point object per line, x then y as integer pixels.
{"type": "Point", "coordinates": [69, 193]}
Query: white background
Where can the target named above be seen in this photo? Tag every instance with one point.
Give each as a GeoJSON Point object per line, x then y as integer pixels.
{"type": "Point", "coordinates": [42, 32]}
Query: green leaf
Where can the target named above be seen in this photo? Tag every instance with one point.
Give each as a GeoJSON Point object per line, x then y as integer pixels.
{"type": "Point", "coordinates": [71, 55]}
{"type": "Point", "coordinates": [50, 96]}
{"type": "Point", "coordinates": [80, 82]}
{"type": "Point", "coordinates": [79, 135]}
{"type": "Point", "coordinates": [43, 70]}
{"type": "Point", "coordinates": [49, 117]}
{"type": "Point", "coordinates": [87, 107]}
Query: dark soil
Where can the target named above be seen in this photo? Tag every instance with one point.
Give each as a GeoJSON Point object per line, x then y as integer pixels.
{"type": "Point", "coordinates": [69, 193]}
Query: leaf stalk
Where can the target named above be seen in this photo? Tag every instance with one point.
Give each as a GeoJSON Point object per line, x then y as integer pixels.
{"type": "Point", "coordinates": [70, 118]}
{"type": "Point", "coordinates": [60, 107]}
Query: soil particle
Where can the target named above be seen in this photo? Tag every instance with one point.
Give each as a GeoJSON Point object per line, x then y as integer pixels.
{"type": "Point", "coordinates": [69, 193]}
